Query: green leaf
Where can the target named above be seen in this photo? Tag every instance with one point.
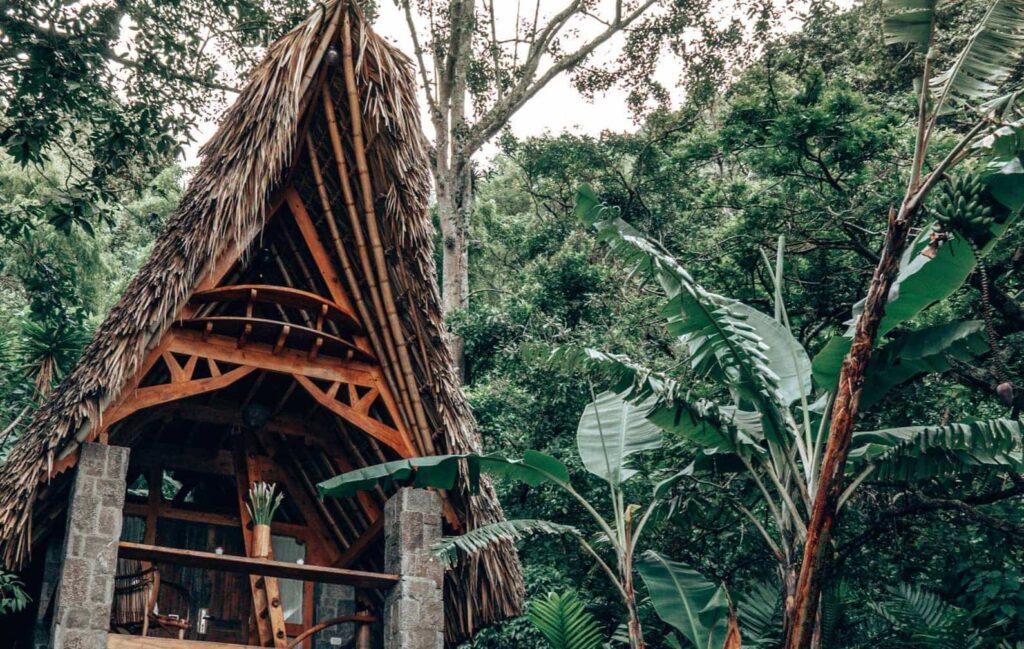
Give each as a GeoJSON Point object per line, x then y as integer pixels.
{"type": "Point", "coordinates": [442, 471]}
{"type": "Point", "coordinates": [683, 598]}
{"type": "Point", "coordinates": [565, 622]}
{"type": "Point", "coordinates": [721, 343]}
{"type": "Point", "coordinates": [485, 536]}
{"type": "Point", "coordinates": [921, 452]}
{"type": "Point", "coordinates": [709, 426]}
{"type": "Point", "coordinates": [787, 358]}
{"type": "Point", "coordinates": [610, 430]}
{"type": "Point", "coordinates": [921, 282]}
{"type": "Point", "coordinates": [912, 354]}
{"type": "Point", "coordinates": [908, 21]}
{"type": "Point", "coordinates": [760, 612]}
{"type": "Point", "coordinates": [990, 55]}
{"type": "Point", "coordinates": [1004, 171]}
{"type": "Point", "coordinates": [919, 352]}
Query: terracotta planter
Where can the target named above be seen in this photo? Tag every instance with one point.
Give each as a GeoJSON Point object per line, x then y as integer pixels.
{"type": "Point", "coordinates": [261, 541]}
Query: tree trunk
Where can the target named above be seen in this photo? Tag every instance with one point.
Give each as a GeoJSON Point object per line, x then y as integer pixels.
{"type": "Point", "coordinates": [844, 416]}
{"type": "Point", "coordinates": [636, 632]}
{"type": "Point", "coordinates": [454, 206]}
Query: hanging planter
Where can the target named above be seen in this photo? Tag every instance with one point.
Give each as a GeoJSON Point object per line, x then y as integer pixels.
{"type": "Point", "coordinates": [263, 503]}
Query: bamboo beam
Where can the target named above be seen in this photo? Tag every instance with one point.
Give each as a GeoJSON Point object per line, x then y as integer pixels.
{"type": "Point", "coordinates": [359, 147]}
{"type": "Point", "coordinates": [388, 358]}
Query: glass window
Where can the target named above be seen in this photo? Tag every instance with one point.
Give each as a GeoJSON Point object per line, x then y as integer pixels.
{"type": "Point", "coordinates": [287, 548]}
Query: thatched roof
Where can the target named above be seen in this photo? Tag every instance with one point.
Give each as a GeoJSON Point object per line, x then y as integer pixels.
{"type": "Point", "coordinates": [258, 149]}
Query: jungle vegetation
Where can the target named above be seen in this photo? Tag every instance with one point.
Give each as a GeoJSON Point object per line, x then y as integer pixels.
{"type": "Point", "coordinates": [689, 284]}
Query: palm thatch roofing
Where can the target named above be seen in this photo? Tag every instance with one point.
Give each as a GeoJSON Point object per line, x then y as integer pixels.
{"type": "Point", "coordinates": [269, 139]}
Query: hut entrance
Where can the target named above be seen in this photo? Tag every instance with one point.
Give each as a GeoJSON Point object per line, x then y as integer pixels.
{"type": "Point", "coordinates": [267, 376]}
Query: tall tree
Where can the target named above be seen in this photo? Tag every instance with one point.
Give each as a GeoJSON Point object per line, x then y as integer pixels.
{"type": "Point", "coordinates": [114, 88]}
{"type": "Point", "coordinates": [477, 72]}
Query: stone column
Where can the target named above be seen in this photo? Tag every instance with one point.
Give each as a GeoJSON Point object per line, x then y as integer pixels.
{"type": "Point", "coordinates": [414, 608]}
{"type": "Point", "coordinates": [48, 590]}
{"type": "Point", "coordinates": [85, 593]}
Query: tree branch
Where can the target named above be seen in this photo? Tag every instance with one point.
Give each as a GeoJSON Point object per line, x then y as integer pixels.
{"type": "Point", "coordinates": [495, 118]}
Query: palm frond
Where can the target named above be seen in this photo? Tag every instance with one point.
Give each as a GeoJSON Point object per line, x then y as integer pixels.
{"type": "Point", "coordinates": [908, 21]}
{"type": "Point", "coordinates": [922, 620]}
{"type": "Point", "coordinates": [485, 536]}
{"type": "Point", "coordinates": [565, 622]}
{"type": "Point", "coordinates": [722, 342]}
{"type": "Point", "coordinates": [989, 57]}
{"type": "Point", "coordinates": [920, 452]}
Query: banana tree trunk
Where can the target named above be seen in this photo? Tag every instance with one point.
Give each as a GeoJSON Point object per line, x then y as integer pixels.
{"type": "Point", "coordinates": [844, 415]}
{"type": "Point", "coordinates": [636, 633]}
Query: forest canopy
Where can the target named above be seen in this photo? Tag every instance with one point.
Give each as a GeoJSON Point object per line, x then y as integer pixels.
{"type": "Point", "coordinates": [696, 278]}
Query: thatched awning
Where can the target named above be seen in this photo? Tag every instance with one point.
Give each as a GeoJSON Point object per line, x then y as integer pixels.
{"type": "Point", "coordinates": [263, 144]}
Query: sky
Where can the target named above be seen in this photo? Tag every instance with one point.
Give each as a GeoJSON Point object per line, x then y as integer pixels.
{"type": "Point", "coordinates": [556, 109]}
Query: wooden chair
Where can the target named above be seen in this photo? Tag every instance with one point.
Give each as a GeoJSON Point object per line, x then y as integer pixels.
{"type": "Point", "coordinates": [142, 600]}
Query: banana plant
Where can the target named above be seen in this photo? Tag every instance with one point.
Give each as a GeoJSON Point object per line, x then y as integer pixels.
{"type": "Point", "coordinates": [773, 426]}
{"type": "Point", "coordinates": [612, 430]}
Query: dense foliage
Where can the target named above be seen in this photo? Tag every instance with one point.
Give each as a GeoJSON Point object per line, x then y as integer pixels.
{"type": "Point", "coordinates": [808, 147]}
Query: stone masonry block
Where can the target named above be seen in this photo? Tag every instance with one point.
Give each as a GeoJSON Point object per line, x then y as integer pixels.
{"type": "Point", "coordinates": [84, 592]}
{"type": "Point", "coordinates": [414, 608]}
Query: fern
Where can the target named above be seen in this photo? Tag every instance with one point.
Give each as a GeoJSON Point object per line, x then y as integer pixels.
{"type": "Point", "coordinates": [565, 622]}
{"type": "Point", "coordinates": [509, 531]}
{"type": "Point", "coordinates": [922, 620]}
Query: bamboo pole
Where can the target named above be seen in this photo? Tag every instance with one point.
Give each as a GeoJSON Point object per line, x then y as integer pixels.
{"type": "Point", "coordinates": [339, 247]}
{"type": "Point", "coordinates": [357, 231]}
{"type": "Point", "coordinates": [372, 227]}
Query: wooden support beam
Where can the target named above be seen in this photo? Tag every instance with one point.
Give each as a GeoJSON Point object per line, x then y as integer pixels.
{"type": "Point", "coordinates": [317, 250]}
{"type": "Point", "coordinates": [380, 431]}
{"type": "Point", "coordinates": [257, 567]}
{"type": "Point", "coordinates": [266, 595]}
{"type": "Point", "coordinates": [146, 397]}
{"type": "Point", "coordinates": [312, 508]}
{"type": "Point", "coordinates": [286, 361]}
{"type": "Point", "coordinates": [121, 641]}
{"type": "Point", "coordinates": [300, 532]}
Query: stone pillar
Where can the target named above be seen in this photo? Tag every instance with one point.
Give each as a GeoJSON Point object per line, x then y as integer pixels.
{"type": "Point", "coordinates": [85, 593]}
{"type": "Point", "coordinates": [414, 608]}
{"type": "Point", "coordinates": [330, 601]}
{"type": "Point", "coordinates": [48, 590]}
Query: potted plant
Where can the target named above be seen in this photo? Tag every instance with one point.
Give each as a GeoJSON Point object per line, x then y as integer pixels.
{"type": "Point", "coordinates": [264, 499]}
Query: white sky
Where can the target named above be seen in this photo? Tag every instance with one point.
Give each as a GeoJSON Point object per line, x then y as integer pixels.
{"type": "Point", "coordinates": [556, 109]}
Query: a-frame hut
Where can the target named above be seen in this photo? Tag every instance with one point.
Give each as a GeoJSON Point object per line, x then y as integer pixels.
{"type": "Point", "coordinates": [285, 328]}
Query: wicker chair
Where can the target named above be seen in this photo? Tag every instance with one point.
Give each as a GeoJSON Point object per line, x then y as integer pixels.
{"type": "Point", "coordinates": [142, 602]}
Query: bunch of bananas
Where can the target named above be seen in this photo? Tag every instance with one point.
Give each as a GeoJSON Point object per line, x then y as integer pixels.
{"type": "Point", "coordinates": [963, 205]}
